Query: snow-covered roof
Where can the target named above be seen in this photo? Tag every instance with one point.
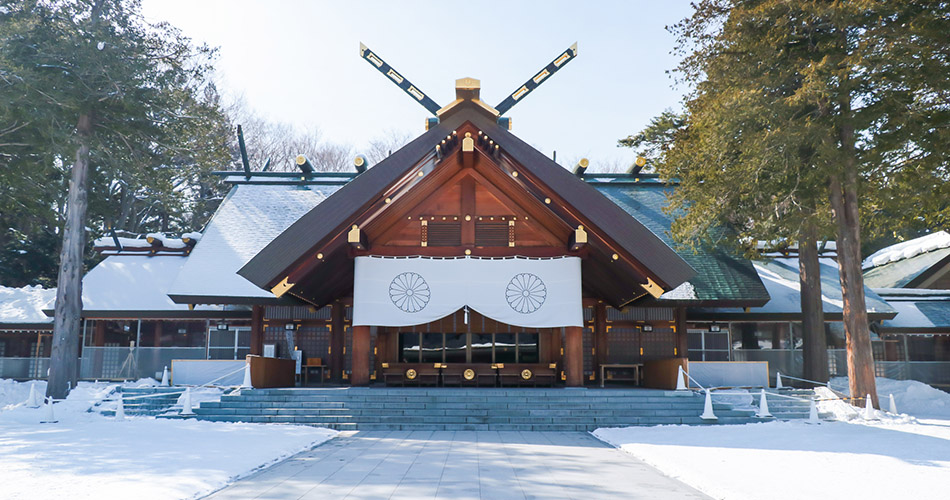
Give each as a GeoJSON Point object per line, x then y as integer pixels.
{"type": "Point", "coordinates": [132, 283]}
{"type": "Point", "coordinates": [248, 219]}
{"type": "Point", "coordinates": [918, 308]}
{"type": "Point", "coordinates": [25, 305]}
{"type": "Point", "coordinates": [908, 249]}
{"type": "Point", "coordinates": [780, 277]}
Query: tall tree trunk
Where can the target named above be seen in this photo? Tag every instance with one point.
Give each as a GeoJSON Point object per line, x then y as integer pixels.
{"type": "Point", "coordinates": [844, 203]}
{"type": "Point", "coordinates": [64, 358]}
{"type": "Point", "coordinates": [813, 323]}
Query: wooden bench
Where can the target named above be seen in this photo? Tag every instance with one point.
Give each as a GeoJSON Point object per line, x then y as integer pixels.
{"type": "Point", "coordinates": [410, 374]}
{"type": "Point", "coordinates": [461, 374]}
{"type": "Point", "coordinates": [522, 374]}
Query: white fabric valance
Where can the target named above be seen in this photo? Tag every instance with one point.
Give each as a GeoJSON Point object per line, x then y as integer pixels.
{"type": "Point", "coordinates": [539, 293]}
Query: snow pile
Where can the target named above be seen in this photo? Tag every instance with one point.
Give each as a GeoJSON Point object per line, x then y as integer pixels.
{"type": "Point", "coordinates": [908, 249]}
{"type": "Point", "coordinates": [26, 304]}
{"type": "Point", "coordinates": [86, 455]}
{"type": "Point", "coordinates": [685, 291]}
{"type": "Point", "coordinates": [738, 398]}
{"type": "Point", "coordinates": [911, 397]}
{"type": "Point", "coordinates": [795, 460]}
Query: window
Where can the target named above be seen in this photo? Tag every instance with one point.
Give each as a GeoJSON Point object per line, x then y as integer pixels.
{"type": "Point", "coordinates": [528, 348]}
{"type": "Point", "coordinates": [433, 345]}
{"type": "Point", "coordinates": [481, 348]}
{"type": "Point", "coordinates": [409, 347]}
{"type": "Point", "coordinates": [506, 345]}
{"type": "Point", "coordinates": [761, 336]}
{"type": "Point", "coordinates": [491, 233]}
{"type": "Point", "coordinates": [455, 347]}
{"type": "Point", "coordinates": [444, 234]}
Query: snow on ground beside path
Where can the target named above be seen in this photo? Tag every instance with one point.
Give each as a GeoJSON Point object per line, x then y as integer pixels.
{"type": "Point", "coordinates": [794, 460]}
{"type": "Point", "coordinates": [86, 455]}
{"type": "Point", "coordinates": [911, 397]}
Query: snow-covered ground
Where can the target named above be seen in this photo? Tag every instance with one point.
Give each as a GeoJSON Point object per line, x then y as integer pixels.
{"type": "Point", "coordinates": [86, 455]}
{"type": "Point", "coordinates": [903, 456]}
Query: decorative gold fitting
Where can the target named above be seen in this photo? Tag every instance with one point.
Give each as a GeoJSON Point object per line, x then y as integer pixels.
{"type": "Point", "coordinates": [282, 287]}
{"type": "Point", "coordinates": [652, 288]}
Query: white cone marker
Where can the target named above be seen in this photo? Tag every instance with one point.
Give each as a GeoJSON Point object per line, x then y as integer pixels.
{"type": "Point", "coordinates": [247, 378]}
{"type": "Point", "coordinates": [165, 377]}
{"type": "Point", "coordinates": [120, 409]}
{"type": "Point", "coordinates": [49, 418]}
{"type": "Point", "coordinates": [893, 408]}
{"type": "Point", "coordinates": [868, 408]}
{"type": "Point", "coordinates": [763, 407]}
{"type": "Point", "coordinates": [708, 408]}
{"type": "Point", "coordinates": [681, 380]}
{"type": "Point", "coordinates": [34, 400]}
{"type": "Point", "coordinates": [186, 403]}
{"type": "Point", "coordinates": [813, 413]}
{"type": "Point", "coordinates": [778, 380]}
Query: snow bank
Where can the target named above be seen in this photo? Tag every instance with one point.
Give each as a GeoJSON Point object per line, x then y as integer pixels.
{"type": "Point", "coordinates": [795, 460]}
{"type": "Point", "coordinates": [26, 304]}
{"type": "Point", "coordinates": [908, 249]}
{"type": "Point", "coordinates": [912, 397]}
{"type": "Point", "coordinates": [87, 455]}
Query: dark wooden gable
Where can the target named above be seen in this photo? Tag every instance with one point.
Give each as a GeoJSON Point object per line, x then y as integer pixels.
{"type": "Point", "coordinates": [432, 180]}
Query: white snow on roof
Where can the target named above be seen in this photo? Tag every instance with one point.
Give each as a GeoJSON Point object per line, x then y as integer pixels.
{"type": "Point", "coordinates": [132, 283]}
{"type": "Point", "coordinates": [26, 304]}
{"type": "Point", "coordinates": [908, 249]}
{"type": "Point", "coordinates": [784, 291]}
{"type": "Point", "coordinates": [107, 241]}
{"type": "Point", "coordinates": [908, 316]}
{"type": "Point", "coordinates": [249, 218]}
{"type": "Point", "coordinates": [685, 291]}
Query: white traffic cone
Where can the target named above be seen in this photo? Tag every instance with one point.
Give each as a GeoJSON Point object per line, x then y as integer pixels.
{"type": "Point", "coordinates": [49, 418]}
{"type": "Point", "coordinates": [893, 408]}
{"type": "Point", "coordinates": [708, 408]}
{"type": "Point", "coordinates": [247, 378]}
{"type": "Point", "coordinates": [763, 407]}
{"type": "Point", "coordinates": [186, 403]}
{"type": "Point", "coordinates": [868, 408]}
{"type": "Point", "coordinates": [120, 409]}
{"type": "Point", "coordinates": [34, 400]}
{"type": "Point", "coordinates": [778, 380]}
{"type": "Point", "coordinates": [813, 413]}
{"type": "Point", "coordinates": [165, 377]}
{"type": "Point", "coordinates": [681, 380]}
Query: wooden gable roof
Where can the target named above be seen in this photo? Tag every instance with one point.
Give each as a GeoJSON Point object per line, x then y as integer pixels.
{"type": "Point", "coordinates": [312, 259]}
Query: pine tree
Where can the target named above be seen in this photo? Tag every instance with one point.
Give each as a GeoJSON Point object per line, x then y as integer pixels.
{"type": "Point", "coordinates": [104, 99]}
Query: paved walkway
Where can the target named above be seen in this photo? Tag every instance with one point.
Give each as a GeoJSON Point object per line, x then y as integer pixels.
{"type": "Point", "coordinates": [460, 465]}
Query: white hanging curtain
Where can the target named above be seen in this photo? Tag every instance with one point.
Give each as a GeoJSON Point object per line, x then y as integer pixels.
{"type": "Point", "coordinates": [538, 293]}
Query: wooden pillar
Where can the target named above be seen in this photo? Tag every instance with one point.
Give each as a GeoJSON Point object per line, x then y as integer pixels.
{"type": "Point", "coordinates": [157, 341]}
{"type": "Point", "coordinates": [680, 337]}
{"type": "Point", "coordinates": [600, 336]}
{"type": "Point", "coordinates": [99, 335]}
{"type": "Point", "coordinates": [359, 359]}
{"type": "Point", "coordinates": [574, 355]}
{"type": "Point", "coordinates": [257, 330]}
{"type": "Point", "coordinates": [337, 341]}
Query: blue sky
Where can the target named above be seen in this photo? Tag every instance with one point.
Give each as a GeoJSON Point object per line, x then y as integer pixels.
{"type": "Point", "coordinates": [298, 62]}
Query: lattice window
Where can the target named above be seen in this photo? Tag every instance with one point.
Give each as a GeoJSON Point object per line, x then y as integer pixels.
{"type": "Point", "coordinates": [494, 233]}
{"type": "Point", "coordinates": [443, 234]}
{"type": "Point", "coordinates": [623, 346]}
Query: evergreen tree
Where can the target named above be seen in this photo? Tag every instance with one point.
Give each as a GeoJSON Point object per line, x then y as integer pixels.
{"type": "Point", "coordinates": [799, 112]}
{"type": "Point", "coordinates": [120, 107]}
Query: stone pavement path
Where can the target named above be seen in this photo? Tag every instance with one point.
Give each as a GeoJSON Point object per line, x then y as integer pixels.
{"type": "Point", "coordinates": [460, 465]}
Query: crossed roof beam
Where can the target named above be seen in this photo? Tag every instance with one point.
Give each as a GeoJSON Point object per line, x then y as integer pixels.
{"type": "Point", "coordinates": [423, 99]}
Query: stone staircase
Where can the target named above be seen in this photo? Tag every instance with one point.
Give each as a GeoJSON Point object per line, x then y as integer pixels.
{"type": "Point", "coordinates": [152, 406]}
{"type": "Point", "coordinates": [520, 409]}
{"type": "Point", "coordinates": [784, 408]}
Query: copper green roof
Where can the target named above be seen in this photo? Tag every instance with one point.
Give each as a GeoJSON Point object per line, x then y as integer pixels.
{"type": "Point", "coordinates": [720, 277]}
